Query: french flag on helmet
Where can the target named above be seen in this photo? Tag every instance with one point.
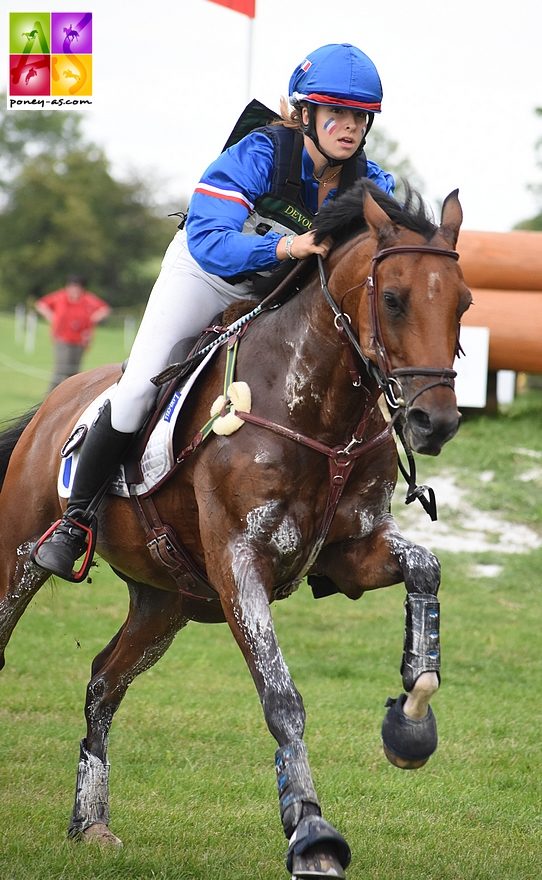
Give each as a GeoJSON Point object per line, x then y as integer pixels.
{"type": "Point", "coordinates": [337, 75]}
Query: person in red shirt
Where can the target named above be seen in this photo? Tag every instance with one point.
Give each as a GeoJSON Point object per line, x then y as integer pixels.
{"type": "Point", "coordinates": [72, 312]}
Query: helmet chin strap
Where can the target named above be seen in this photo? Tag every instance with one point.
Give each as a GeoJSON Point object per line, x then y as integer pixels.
{"type": "Point", "coordinates": [310, 130]}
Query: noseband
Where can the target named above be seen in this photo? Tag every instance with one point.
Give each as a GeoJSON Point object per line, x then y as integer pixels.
{"type": "Point", "coordinates": [388, 379]}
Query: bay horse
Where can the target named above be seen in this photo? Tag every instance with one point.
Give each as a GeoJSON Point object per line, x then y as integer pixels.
{"type": "Point", "coordinates": [302, 488]}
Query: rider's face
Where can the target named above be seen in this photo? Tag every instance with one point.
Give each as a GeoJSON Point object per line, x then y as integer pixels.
{"type": "Point", "coordinates": [340, 130]}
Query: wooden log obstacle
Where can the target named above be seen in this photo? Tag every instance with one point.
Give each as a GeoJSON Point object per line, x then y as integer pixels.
{"type": "Point", "coordinates": [504, 273]}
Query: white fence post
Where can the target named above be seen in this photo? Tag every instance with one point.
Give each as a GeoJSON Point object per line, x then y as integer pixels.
{"type": "Point", "coordinates": [30, 333]}
{"type": "Point", "coordinates": [20, 319]}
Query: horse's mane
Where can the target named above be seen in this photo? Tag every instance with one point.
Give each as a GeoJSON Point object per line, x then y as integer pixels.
{"type": "Point", "coordinates": [343, 218]}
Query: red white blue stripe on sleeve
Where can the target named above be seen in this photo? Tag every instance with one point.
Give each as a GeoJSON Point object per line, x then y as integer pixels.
{"type": "Point", "coordinates": [227, 194]}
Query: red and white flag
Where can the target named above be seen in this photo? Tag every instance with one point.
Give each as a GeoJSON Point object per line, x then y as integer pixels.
{"type": "Point", "coordinates": [247, 7]}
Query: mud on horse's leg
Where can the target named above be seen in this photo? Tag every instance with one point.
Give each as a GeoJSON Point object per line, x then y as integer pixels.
{"type": "Point", "coordinates": [25, 582]}
{"type": "Point", "coordinates": [153, 620]}
{"type": "Point", "coordinates": [315, 848]}
{"type": "Point", "coordinates": [409, 730]}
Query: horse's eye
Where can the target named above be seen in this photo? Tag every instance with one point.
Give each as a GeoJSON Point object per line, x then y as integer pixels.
{"type": "Point", "coordinates": [465, 301]}
{"type": "Point", "coordinates": [392, 302]}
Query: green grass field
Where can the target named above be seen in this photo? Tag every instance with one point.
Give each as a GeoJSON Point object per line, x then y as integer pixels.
{"type": "Point", "coordinates": [192, 780]}
{"type": "Point", "coordinates": [25, 374]}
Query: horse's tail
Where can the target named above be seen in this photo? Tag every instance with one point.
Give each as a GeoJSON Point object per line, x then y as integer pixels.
{"type": "Point", "coordinates": [9, 437]}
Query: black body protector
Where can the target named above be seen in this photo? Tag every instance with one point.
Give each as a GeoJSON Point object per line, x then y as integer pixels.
{"type": "Point", "coordinates": [282, 209]}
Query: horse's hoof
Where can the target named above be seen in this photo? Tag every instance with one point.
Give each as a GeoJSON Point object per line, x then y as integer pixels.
{"type": "Point", "coordinates": [403, 763]}
{"type": "Point", "coordinates": [317, 863]}
{"type": "Point", "coordinates": [100, 833]}
{"type": "Point", "coordinates": [408, 743]}
{"type": "Point", "coordinates": [317, 850]}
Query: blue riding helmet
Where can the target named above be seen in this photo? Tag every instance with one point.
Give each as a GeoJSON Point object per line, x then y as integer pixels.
{"type": "Point", "coordinates": [337, 75]}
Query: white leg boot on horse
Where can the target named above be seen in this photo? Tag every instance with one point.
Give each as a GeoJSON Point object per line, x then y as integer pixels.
{"type": "Point", "coordinates": [154, 618]}
{"type": "Point", "coordinates": [59, 549]}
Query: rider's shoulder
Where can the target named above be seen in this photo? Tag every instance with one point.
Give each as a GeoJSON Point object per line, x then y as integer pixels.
{"type": "Point", "coordinates": [260, 135]}
{"type": "Point", "coordinates": [382, 178]}
{"type": "Point", "coordinates": [265, 140]}
{"type": "Point", "coordinates": [257, 142]}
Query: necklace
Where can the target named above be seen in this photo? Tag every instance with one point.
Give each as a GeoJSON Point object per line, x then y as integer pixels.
{"type": "Point", "coordinates": [324, 181]}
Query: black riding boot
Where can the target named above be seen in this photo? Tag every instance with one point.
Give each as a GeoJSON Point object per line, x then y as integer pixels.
{"type": "Point", "coordinates": [100, 456]}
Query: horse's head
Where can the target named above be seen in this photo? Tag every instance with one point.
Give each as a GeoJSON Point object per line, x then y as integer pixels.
{"type": "Point", "coordinates": [408, 323]}
{"type": "Point", "coordinates": [416, 296]}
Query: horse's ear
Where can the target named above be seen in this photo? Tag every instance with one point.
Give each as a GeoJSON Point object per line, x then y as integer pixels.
{"type": "Point", "coordinates": [451, 218]}
{"type": "Point", "coordinates": [378, 221]}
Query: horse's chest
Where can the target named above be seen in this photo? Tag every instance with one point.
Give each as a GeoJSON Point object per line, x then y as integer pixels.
{"type": "Point", "coordinates": [361, 508]}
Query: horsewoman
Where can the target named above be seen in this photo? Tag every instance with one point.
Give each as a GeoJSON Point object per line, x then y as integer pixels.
{"type": "Point", "coordinates": [233, 233]}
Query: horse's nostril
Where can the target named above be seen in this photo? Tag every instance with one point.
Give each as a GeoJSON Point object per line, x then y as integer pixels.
{"type": "Point", "coordinates": [431, 427]}
{"type": "Point", "coordinates": [419, 419]}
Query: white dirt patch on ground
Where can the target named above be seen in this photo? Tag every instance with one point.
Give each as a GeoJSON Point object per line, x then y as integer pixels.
{"type": "Point", "coordinates": [530, 453]}
{"type": "Point", "coordinates": [534, 475]}
{"type": "Point", "coordinates": [462, 527]}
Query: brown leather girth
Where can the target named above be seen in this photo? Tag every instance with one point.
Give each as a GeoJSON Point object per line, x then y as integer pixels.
{"type": "Point", "coordinates": [167, 551]}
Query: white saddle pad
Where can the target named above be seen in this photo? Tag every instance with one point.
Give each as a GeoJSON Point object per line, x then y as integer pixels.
{"type": "Point", "coordinates": [157, 458]}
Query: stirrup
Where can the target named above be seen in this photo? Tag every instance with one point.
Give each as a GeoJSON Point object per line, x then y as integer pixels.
{"type": "Point", "coordinates": [79, 574]}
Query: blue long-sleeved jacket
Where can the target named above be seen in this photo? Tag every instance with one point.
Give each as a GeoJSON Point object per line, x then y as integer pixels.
{"type": "Point", "coordinates": [225, 196]}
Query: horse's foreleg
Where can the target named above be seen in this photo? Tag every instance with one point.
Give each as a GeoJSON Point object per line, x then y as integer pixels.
{"type": "Point", "coordinates": [385, 557]}
{"type": "Point", "coordinates": [154, 618]}
{"type": "Point", "coordinates": [409, 730]}
{"type": "Point", "coordinates": [316, 848]}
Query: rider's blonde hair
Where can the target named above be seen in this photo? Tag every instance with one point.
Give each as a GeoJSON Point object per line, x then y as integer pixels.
{"type": "Point", "coordinates": [290, 116]}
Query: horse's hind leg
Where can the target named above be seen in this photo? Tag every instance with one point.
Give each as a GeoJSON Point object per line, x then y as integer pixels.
{"type": "Point", "coordinates": [23, 582]}
{"type": "Point", "coordinates": [154, 618]}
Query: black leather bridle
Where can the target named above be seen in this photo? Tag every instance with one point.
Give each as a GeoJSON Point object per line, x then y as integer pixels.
{"type": "Point", "coordinates": [388, 379]}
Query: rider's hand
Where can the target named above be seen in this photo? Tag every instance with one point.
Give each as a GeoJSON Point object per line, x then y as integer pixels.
{"type": "Point", "coordinates": [302, 246]}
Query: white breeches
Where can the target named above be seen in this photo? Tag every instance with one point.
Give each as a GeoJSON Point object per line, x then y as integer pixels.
{"type": "Point", "coordinates": [183, 301]}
